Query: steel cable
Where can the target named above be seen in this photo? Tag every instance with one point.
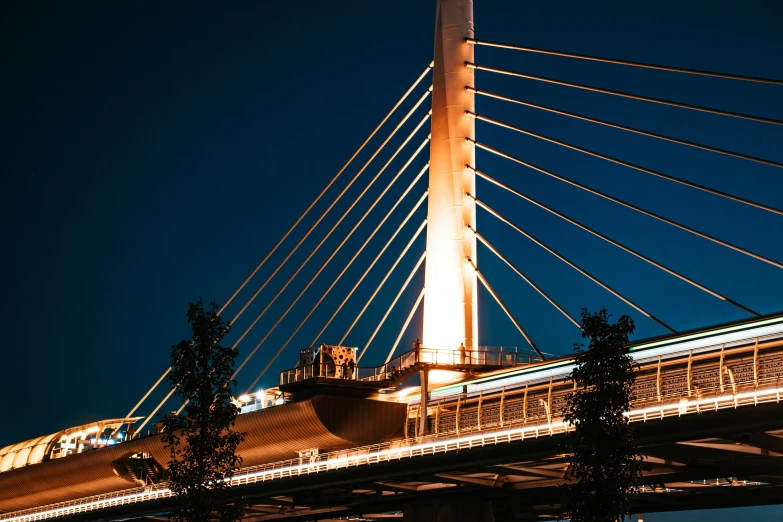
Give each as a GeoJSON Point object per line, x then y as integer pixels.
{"type": "Point", "coordinates": [336, 279]}
{"type": "Point", "coordinates": [339, 196]}
{"type": "Point", "coordinates": [527, 280]}
{"type": "Point", "coordinates": [159, 406]}
{"type": "Point", "coordinates": [314, 202]}
{"type": "Point", "coordinates": [625, 128]}
{"type": "Point", "coordinates": [328, 186]}
{"type": "Point", "coordinates": [611, 241]}
{"type": "Point", "coordinates": [301, 266]}
{"type": "Point", "coordinates": [367, 163]}
{"type": "Point", "coordinates": [627, 62]}
{"type": "Point", "coordinates": [626, 95]}
{"type": "Point", "coordinates": [504, 308]}
{"type": "Point", "coordinates": [405, 326]}
{"type": "Point", "coordinates": [374, 261]}
{"type": "Point", "coordinates": [388, 311]}
{"type": "Point", "coordinates": [629, 165]}
{"type": "Point", "coordinates": [383, 281]}
{"type": "Point", "coordinates": [569, 263]}
{"type": "Point", "coordinates": [630, 206]}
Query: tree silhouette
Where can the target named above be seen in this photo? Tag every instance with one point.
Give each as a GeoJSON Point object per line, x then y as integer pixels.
{"type": "Point", "coordinates": [604, 458]}
{"type": "Point", "coordinates": [202, 442]}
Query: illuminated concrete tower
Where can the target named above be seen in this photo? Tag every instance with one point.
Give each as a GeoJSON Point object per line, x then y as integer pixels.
{"type": "Point", "coordinates": [450, 307]}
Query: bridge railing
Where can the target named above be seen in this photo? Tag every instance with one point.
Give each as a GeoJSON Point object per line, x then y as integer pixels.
{"type": "Point", "coordinates": [481, 356]}
{"type": "Point", "coordinates": [472, 416]}
{"type": "Point", "coordinates": [410, 361]}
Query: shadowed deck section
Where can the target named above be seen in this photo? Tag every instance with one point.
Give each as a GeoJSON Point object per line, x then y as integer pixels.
{"type": "Point", "coordinates": [324, 422]}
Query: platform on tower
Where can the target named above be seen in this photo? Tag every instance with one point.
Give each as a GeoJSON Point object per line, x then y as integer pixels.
{"type": "Point", "coordinates": [334, 368]}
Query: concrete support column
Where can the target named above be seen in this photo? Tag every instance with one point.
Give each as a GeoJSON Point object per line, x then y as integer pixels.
{"type": "Point", "coordinates": [450, 307]}
{"type": "Point", "coordinates": [424, 377]}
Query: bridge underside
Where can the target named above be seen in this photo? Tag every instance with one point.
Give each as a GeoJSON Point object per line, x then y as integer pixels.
{"type": "Point", "coordinates": [736, 454]}
{"type": "Point", "coordinates": [325, 422]}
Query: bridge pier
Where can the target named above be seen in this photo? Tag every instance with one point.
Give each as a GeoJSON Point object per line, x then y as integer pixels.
{"type": "Point", "coordinates": [448, 510]}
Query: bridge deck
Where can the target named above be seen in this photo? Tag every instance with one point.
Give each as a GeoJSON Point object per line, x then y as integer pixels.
{"type": "Point", "coordinates": [733, 373]}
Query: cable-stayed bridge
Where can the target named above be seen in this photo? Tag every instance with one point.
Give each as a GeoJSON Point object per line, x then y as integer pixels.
{"type": "Point", "coordinates": [348, 439]}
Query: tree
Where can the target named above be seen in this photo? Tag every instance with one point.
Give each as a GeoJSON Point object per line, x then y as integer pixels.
{"type": "Point", "coordinates": [203, 443]}
{"type": "Point", "coordinates": [604, 457]}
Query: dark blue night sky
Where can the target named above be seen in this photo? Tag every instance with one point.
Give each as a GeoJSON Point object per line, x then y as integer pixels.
{"type": "Point", "coordinates": [153, 153]}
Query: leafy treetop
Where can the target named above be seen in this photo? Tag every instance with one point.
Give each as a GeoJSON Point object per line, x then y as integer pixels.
{"type": "Point", "coordinates": [605, 462]}
{"type": "Point", "coordinates": [203, 443]}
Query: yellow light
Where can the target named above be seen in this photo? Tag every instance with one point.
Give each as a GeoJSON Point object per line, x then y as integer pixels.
{"type": "Point", "coordinates": [400, 394]}
{"type": "Point", "coordinates": [244, 398]}
{"type": "Point", "coordinates": [450, 306]}
{"type": "Point", "coordinates": [445, 376]}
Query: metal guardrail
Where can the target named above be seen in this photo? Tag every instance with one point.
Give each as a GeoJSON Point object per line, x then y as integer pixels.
{"type": "Point", "coordinates": [768, 390]}
{"type": "Point", "coordinates": [411, 360]}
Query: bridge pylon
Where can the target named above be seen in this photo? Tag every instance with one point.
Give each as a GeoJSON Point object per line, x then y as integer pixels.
{"type": "Point", "coordinates": [450, 301]}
